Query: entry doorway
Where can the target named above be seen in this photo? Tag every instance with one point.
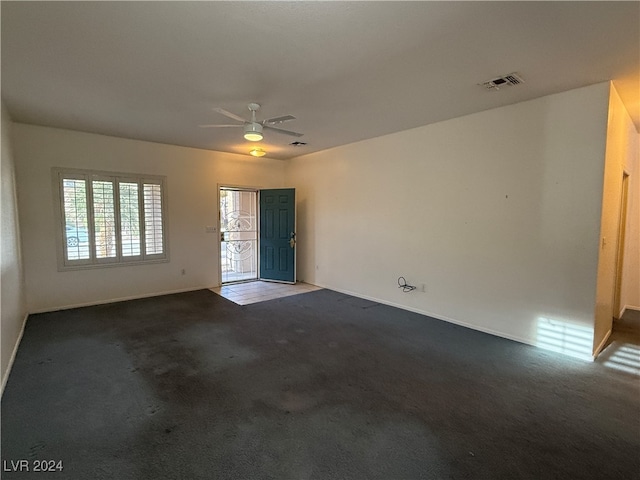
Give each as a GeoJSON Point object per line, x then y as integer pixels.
{"type": "Point", "coordinates": [238, 235]}
{"type": "Point", "coordinates": [257, 235]}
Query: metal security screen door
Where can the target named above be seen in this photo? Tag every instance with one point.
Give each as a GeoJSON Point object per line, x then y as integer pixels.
{"type": "Point", "coordinates": [238, 235]}
{"type": "Point", "coordinates": [277, 235]}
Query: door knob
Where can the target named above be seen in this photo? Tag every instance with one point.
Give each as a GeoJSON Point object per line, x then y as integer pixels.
{"type": "Point", "coordinates": [292, 240]}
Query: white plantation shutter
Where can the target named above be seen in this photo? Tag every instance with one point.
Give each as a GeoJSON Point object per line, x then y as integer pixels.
{"type": "Point", "coordinates": [153, 232]}
{"type": "Point", "coordinates": [110, 219]}
{"type": "Point", "coordinates": [74, 201]}
{"type": "Point", "coordinates": [130, 219]}
{"type": "Point", "coordinates": [104, 219]}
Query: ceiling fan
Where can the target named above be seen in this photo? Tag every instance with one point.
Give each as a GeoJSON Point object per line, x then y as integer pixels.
{"type": "Point", "coordinates": [253, 128]}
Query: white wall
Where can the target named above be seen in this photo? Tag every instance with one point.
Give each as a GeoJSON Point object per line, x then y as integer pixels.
{"type": "Point", "coordinates": [497, 213]}
{"type": "Point", "coordinates": [13, 308]}
{"type": "Point", "coordinates": [192, 179]}
{"type": "Point", "coordinates": [630, 292]}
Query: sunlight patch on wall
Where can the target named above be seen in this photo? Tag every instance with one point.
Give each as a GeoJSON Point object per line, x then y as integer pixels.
{"type": "Point", "coordinates": [564, 337]}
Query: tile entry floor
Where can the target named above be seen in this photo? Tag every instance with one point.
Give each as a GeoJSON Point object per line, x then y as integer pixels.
{"type": "Point", "coordinates": [258, 291]}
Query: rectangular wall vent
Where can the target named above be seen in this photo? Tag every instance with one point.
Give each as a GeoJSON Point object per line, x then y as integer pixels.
{"type": "Point", "coordinates": [506, 80]}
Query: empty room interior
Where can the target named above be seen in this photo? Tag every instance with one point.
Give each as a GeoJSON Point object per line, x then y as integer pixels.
{"type": "Point", "coordinates": [320, 240]}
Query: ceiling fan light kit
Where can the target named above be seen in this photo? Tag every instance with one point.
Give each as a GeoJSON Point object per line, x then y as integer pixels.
{"type": "Point", "coordinates": [253, 132]}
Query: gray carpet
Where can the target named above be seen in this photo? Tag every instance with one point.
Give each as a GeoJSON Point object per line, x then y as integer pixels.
{"type": "Point", "coordinates": [319, 386]}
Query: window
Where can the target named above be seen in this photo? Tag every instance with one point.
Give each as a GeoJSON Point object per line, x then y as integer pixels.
{"type": "Point", "coordinates": [110, 219]}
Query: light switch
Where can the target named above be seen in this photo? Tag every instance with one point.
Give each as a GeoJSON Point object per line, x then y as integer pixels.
{"type": "Point", "coordinates": [210, 229]}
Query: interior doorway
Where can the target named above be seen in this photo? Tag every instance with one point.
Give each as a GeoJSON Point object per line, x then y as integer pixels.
{"type": "Point", "coordinates": [238, 234]}
{"type": "Point", "coordinates": [622, 227]}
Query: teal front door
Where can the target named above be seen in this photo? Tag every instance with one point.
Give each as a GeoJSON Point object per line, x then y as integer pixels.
{"type": "Point", "coordinates": [278, 235]}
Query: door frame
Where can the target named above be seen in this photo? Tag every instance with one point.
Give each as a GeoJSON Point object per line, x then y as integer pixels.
{"type": "Point", "coordinates": [218, 232]}
{"type": "Point", "coordinates": [622, 227]}
{"type": "Point", "coordinates": [250, 188]}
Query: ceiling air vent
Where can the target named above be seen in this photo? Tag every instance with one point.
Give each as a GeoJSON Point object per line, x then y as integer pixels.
{"type": "Point", "coordinates": [504, 81]}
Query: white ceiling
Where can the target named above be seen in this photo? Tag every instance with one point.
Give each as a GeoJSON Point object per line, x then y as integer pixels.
{"type": "Point", "coordinates": [347, 70]}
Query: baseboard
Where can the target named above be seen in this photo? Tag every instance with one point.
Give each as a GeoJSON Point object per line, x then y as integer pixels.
{"type": "Point", "coordinates": [495, 333]}
{"type": "Point", "coordinates": [119, 299]}
{"type": "Point", "coordinates": [5, 378]}
{"type": "Point", "coordinates": [628, 307]}
{"type": "Point", "coordinates": [603, 343]}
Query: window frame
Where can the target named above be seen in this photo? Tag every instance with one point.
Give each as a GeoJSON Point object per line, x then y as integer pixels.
{"type": "Point", "coordinates": [116, 178]}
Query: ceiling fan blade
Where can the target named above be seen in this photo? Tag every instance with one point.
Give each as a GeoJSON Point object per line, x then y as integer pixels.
{"type": "Point", "coordinates": [278, 120]}
{"type": "Point", "coordinates": [218, 126]}
{"type": "Point", "coordinates": [286, 132]}
{"type": "Point", "coordinates": [229, 114]}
